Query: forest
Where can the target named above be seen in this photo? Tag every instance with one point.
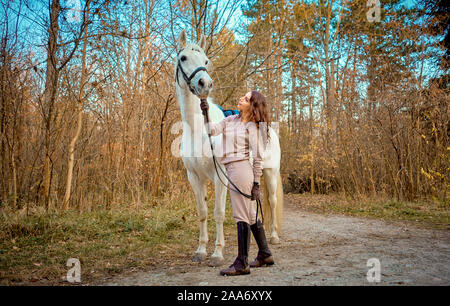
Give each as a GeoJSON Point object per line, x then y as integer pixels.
{"type": "Point", "coordinates": [88, 113]}
{"type": "Point", "coordinates": [87, 96]}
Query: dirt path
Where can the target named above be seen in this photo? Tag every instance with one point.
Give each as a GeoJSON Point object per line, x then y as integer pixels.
{"type": "Point", "coordinates": [325, 250]}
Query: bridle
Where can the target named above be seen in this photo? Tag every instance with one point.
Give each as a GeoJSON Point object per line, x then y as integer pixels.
{"type": "Point", "coordinates": [188, 79]}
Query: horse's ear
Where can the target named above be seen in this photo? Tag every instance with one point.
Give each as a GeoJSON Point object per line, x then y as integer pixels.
{"type": "Point", "coordinates": [202, 42]}
{"type": "Point", "coordinates": [181, 43]}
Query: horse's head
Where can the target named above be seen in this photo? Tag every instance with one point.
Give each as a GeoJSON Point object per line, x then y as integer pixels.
{"type": "Point", "coordinates": [192, 67]}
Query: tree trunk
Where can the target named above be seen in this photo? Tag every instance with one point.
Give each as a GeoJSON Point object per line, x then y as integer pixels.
{"type": "Point", "coordinates": [328, 80]}
{"type": "Point", "coordinates": [312, 147]}
{"type": "Point", "coordinates": [51, 86]}
{"type": "Point", "coordinates": [279, 83]}
{"type": "Point", "coordinates": [14, 174]}
{"type": "Point", "coordinates": [3, 129]}
{"type": "Point", "coordinates": [161, 145]}
{"type": "Point", "coordinates": [80, 115]}
{"type": "Point", "coordinates": [293, 100]}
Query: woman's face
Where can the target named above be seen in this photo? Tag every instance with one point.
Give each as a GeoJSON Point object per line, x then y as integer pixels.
{"type": "Point", "coordinates": [244, 102]}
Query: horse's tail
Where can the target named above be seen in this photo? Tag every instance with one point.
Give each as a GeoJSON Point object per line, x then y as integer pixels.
{"type": "Point", "coordinates": [279, 208]}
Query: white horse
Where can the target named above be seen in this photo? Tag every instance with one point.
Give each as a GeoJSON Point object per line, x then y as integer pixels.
{"type": "Point", "coordinates": [192, 83]}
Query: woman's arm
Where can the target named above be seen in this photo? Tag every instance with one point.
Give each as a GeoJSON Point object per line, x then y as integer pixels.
{"type": "Point", "coordinates": [256, 145]}
{"type": "Point", "coordinates": [213, 128]}
{"type": "Point", "coordinates": [217, 128]}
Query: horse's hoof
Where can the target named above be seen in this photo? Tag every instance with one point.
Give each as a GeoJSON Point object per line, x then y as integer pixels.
{"type": "Point", "coordinates": [199, 257]}
{"type": "Point", "coordinates": [274, 240]}
{"type": "Point", "coordinates": [216, 261]}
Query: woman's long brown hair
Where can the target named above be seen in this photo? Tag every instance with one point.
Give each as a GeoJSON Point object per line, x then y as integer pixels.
{"type": "Point", "coordinates": [259, 111]}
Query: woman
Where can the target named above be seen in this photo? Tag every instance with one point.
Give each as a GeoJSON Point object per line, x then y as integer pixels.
{"type": "Point", "coordinates": [241, 132]}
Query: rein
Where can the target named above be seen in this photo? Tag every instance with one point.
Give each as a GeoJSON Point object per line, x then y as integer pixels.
{"type": "Point", "coordinates": [258, 201]}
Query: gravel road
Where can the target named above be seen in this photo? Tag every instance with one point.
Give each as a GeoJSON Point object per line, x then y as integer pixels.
{"type": "Point", "coordinates": [319, 249]}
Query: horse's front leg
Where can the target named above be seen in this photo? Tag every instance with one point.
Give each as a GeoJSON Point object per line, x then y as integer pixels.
{"type": "Point", "coordinates": [199, 188]}
{"type": "Point", "coordinates": [219, 215]}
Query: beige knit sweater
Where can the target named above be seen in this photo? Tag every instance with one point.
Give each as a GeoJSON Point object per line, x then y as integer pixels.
{"type": "Point", "coordinates": [238, 137]}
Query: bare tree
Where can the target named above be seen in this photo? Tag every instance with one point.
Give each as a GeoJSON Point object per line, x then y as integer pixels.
{"type": "Point", "coordinates": [79, 112]}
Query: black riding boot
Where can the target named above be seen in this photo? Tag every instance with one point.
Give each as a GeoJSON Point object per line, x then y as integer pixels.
{"type": "Point", "coordinates": [264, 256]}
{"type": "Point", "coordinates": [240, 265]}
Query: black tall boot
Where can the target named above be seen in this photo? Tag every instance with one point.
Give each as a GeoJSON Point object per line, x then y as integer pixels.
{"type": "Point", "coordinates": [240, 265]}
{"type": "Point", "coordinates": [264, 256]}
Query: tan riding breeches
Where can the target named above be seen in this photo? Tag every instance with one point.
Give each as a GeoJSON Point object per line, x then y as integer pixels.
{"type": "Point", "coordinates": [241, 174]}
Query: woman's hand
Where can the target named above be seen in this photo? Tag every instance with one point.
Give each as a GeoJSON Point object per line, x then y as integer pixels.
{"type": "Point", "coordinates": [255, 192]}
{"type": "Point", "coordinates": [204, 106]}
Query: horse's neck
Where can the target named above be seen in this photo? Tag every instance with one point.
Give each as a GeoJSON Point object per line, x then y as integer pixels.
{"type": "Point", "coordinates": [189, 107]}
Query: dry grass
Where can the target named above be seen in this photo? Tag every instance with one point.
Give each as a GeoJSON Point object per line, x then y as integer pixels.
{"type": "Point", "coordinates": [34, 249]}
{"type": "Point", "coordinates": [429, 213]}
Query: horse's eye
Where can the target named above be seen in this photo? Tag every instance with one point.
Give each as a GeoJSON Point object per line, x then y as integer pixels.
{"type": "Point", "coordinates": [183, 58]}
{"type": "Point", "coordinates": [206, 63]}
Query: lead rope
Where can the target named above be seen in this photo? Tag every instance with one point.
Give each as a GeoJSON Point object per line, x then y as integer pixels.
{"type": "Point", "coordinates": [258, 201]}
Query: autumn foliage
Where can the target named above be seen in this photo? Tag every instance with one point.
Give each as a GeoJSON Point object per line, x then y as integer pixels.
{"type": "Point", "coordinates": [362, 105]}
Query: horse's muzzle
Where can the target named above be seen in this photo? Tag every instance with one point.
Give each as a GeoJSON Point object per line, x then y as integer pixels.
{"type": "Point", "coordinates": [203, 85]}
